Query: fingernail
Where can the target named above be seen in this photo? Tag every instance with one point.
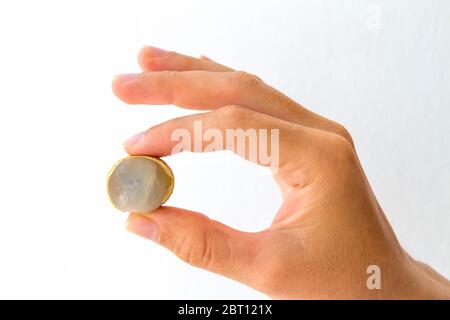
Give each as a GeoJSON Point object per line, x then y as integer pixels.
{"type": "Point", "coordinates": [122, 78]}
{"type": "Point", "coordinates": [134, 140]}
{"type": "Point", "coordinates": [156, 52]}
{"type": "Point", "coordinates": [143, 227]}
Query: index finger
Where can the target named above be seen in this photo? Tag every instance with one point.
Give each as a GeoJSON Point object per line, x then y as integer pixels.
{"type": "Point", "coordinates": [256, 137]}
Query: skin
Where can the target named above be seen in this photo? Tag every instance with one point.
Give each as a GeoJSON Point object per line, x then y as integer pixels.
{"type": "Point", "coordinates": [330, 227]}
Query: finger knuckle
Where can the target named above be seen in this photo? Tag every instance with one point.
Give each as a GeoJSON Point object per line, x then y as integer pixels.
{"type": "Point", "coordinates": [202, 252]}
{"type": "Point", "coordinates": [241, 81]}
{"type": "Point", "coordinates": [169, 82]}
{"type": "Point", "coordinates": [245, 79]}
{"type": "Point", "coordinates": [206, 248]}
{"type": "Point", "coordinates": [234, 113]}
{"type": "Point", "coordinates": [188, 248]}
{"type": "Point", "coordinates": [211, 255]}
{"type": "Point", "coordinates": [343, 151]}
{"type": "Point", "coordinates": [344, 133]}
{"type": "Point", "coordinates": [196, 251]}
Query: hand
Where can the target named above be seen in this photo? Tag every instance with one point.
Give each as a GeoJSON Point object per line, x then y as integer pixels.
{"type": "Point", "coordinates": [330, 228]}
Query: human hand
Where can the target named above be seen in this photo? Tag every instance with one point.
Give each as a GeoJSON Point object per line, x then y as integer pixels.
{"type": "Point", "coordinates": [330, 227]}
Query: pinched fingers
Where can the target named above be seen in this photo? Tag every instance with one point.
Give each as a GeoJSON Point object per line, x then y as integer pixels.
{"type": "Point", "coordinates": [206, 90]}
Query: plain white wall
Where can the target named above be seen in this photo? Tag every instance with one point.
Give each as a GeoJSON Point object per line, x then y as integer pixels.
{"type": "Point", "coordinates": [382, 68]}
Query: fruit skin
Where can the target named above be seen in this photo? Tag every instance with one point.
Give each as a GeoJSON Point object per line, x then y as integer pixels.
{"type": "Point", "coordinates": [162, 164]}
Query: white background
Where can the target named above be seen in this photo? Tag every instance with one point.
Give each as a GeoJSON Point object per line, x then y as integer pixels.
{"type": "Point", "coordinates": [382, 68]}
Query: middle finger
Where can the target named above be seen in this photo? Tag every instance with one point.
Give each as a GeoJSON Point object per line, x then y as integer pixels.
{"type": "Point", "coordinates": [211, 90]}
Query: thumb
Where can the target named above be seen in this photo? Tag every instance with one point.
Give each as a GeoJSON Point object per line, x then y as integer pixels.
{"type": "Point", "coordinates": [200, 241]}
